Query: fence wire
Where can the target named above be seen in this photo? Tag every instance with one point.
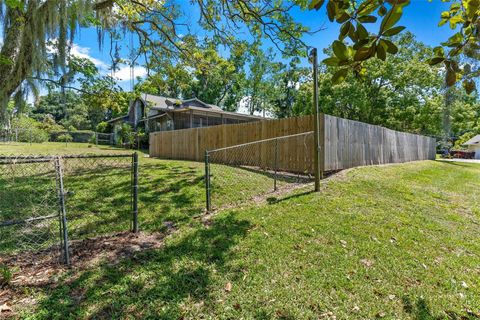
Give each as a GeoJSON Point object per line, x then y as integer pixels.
{"type": "Point", "coordinates": [239, 173]}
{"type": "Point", "coordinates": [93, 193]}
{"type": "Point", "coordinates": [29, 201]}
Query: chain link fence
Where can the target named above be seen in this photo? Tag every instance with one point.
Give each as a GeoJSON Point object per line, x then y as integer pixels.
{"type": "Point", "coordinates": [244, 172]}
{"type": "Point", "coordinates": [46, 202]}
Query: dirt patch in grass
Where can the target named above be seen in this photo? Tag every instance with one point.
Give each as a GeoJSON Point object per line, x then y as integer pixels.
{"type": "Point", "coordinates": [43, 269]}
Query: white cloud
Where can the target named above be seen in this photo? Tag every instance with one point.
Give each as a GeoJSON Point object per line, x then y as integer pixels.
{"type": "Point", "coordinates": [84, 52]}
{"type": "Point", "coordinates": [123, 74]}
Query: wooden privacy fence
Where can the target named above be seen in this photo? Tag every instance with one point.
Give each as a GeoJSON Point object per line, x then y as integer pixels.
{"type": "Point", "coordinates": [351, 144]}
{"type": "Point", "coordinates": [190, 144]}
{"type": "Point", "coordinates": [345, 143]}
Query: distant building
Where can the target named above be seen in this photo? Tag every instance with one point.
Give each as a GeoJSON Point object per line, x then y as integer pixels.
{"type": "Point", "coordinates": [154, 113]}
{"type": "Point", "coordinates": [473, 145]}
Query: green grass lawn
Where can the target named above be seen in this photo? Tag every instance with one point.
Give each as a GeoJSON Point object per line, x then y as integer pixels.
{"type": "Point", "coordinates": [392, 242]}
{"type": "Point", "coordinates": [15, 148]}
{"type": "Point", "coordinates": [99, 193]}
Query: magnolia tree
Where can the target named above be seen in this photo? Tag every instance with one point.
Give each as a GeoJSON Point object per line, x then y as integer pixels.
{"type": "Point", "coordinates": [356, 45]}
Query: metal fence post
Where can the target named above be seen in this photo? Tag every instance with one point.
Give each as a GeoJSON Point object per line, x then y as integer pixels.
{"type": "Point", "coordinates": [317, 169]}
{"type": "Point", "coordinates": [135, 192]}
{"type": "Point", "coordinates": [275, 166]}
{"type": "Point", "coordinates": [63, 211]}
{"type": "Point", "coordinates": [207, 182]}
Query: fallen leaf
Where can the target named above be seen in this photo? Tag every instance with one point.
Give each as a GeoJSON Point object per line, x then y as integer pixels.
{"type": "Point", "coordinates": [366, 262]}
{"type": "Point", "coordinates": [391, 296]}
{"type": "Point", "coordinates": [228, 287]}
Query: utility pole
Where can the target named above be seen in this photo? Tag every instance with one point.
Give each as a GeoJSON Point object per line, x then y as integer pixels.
{"type": "Point", "coordinates": [314, 60]}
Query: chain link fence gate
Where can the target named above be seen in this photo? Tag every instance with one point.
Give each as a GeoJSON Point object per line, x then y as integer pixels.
{"type": "Point", "coordinates": [53, 202]}
{"type": "Point", "coordinates": [243, 172]}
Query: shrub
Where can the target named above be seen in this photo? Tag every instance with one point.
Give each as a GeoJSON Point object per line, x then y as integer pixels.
{"type": "Point", "coordinates": [29, 130]}
{"type": "Point", "coordinates": [462, 139]}
{"type": "Point", "coordinates": [127, 136]}
{"type": "Point", "coordinates": [102, 127]}
{"type": "Point", "coordinates": [65, 138]}
{"type": "Point", "coordinates": [92, 140]}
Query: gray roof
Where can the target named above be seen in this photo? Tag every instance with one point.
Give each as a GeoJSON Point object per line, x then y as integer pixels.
{"type": "Point", "coordinates": [474, 140]}
{"type": "Point", "coordinates": [158, 102]}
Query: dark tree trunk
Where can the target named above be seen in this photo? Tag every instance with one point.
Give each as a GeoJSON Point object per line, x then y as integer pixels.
{"type": "Point", "coordinates": [9, 52]}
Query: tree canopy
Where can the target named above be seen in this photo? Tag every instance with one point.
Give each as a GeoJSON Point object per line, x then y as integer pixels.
{"type": "Point", "coordinates": [463, 17]}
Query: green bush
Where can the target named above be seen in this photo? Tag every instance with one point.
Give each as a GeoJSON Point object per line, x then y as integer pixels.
{"type": "Point", "coordinates": [65, 138]}
{"type": "Point", "coordinates": [127, 136]}
{"type": "Point", "coordinates": [29, 130]}
{"type": "Point", "coordinates": [102, 127]}
{"type": "Point", "coordinates": [462, 139]}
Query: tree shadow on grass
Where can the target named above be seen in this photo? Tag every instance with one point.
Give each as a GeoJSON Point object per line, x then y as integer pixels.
{"type": "Point", "coordinates": [161, 284]}
{"type": "Point", "coordinates": [420, 310]}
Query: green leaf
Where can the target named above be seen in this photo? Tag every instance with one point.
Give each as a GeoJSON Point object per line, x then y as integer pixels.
{"type": "Point", "coordinates": [435, 61]}
{"type": "Point", "coordinates": [352, 34]}
{"type": "Point", "coordinates": [455, 20]}
{"type": "Point", "coordinates": [467, 68]}
{"type": "Point", "coordinates": [471, 7]}
{"type": "Point", "coordinates": [391, 18]}
{"type": "Point", "coordinates": [332, 61]}
{"type": "Point", "coordinates": [366, 8]}
{"type": "Point", "coordinates": [344, 30]}
{"type": "Point", "coordinates": [382, 11]}
{"type": "Point", "coordinates": [455, 52]}
{"type": "Point", "coordinates": [381, 53]}
{"type": "Point", "coordinates": [14, 4]}
{"type": "Point", "coordinates": [451, 77]}
{"type": "Point", "coordinates": [393, 31]}
{"type": "Point", "coordinates": [343, 18]}
{"type": "Point", "coordinates": [390, 46]}
{"type": "Point", "coordinates": [454, 66]}
{"type": "Point", "coordinates": [339, 76]}
{"type": "Point", "coordinates": [454, 40]}
{"type": "Point", "coordinates": [360, 44]}
{"type": "Point", "coordinates": [368, 19]}
{"type": "Point", "coordinates": [439, 51]}
{"type": "Point", "coordinates": [362, 54]}
{"type": "Point", "coordinates": [469, 86]}
{"type": "Point", "coordinates": [316, 4]}
{"type": "Point", "coordinates": [340, 50]}
{"type": "Point", "coordinates": [442, 22]}
{"type": "Point", "coordinates": [361, 31]}
{"type": "Point", "coordinates": [455, 7]}
{"type": "Point", "coordinates": [331, 11]}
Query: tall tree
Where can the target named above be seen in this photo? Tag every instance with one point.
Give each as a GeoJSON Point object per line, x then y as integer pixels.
{"type": "Point", "coordinates": [29, 24]}
{"type": "Point", "coordinates": [406, 97]}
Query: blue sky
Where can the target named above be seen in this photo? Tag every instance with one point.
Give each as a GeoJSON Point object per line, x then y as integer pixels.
{"type": "Point", "coordinates": [420, 17]}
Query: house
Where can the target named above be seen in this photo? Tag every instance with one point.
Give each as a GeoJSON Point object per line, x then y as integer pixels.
{"type": "Point", "coordinates": [151, 113]}
{"type": "Point", "coordinates": [473, 145]}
